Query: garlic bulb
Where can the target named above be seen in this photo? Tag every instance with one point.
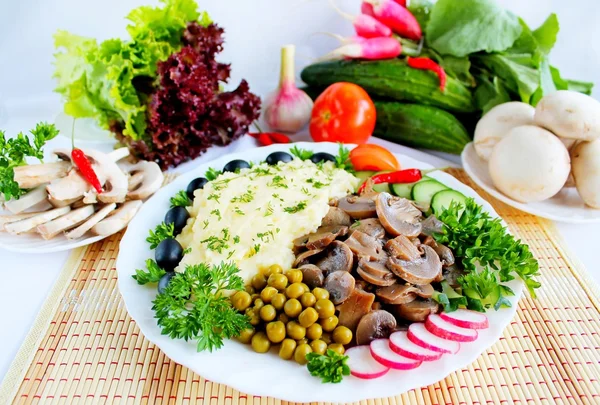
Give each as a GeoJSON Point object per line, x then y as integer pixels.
{"type": "Point", "coordinates": [288, 109]}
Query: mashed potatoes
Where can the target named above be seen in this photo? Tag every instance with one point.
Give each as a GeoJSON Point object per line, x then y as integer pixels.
{"type": "Point", "coordinates": [253, 217]}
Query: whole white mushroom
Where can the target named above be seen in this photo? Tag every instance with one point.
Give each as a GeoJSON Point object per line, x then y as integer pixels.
{"type": "Point", "coordinates": [529, 164]}
{"type": "Point", "coordinates": [569, 114]}
{"type": "Point", "coordinates": [494, 125]}
{"type": "Point", "coordinates": [586, 171]}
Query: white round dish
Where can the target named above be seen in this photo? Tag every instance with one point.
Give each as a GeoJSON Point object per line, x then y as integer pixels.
{"type": "Point", "coordinates": [566, 206]}
{"type": "Point", "coordinates": [236, 365]}
{"type": "Point", "coordinates": [34, 244]}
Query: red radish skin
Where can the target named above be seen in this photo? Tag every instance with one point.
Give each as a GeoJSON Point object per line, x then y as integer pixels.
{"type": "Point", "coordinates": [367, 9]}
{"type": "Point", "coordinates": [465, 318]}
{"type": "Point", "coordinates": [444, 329]}
{"type": "Point", "coordinates": [368, 49]}
{"type": "Point", "coordinates": [401, 2]}
{"type": "Point", "coordinates": [401, 344]}
{"type": "Point", "coordinates": [422, 337]}
{"type": "Point", "coordinates": [381, 352]}
{"type": "Point", "coordinates": [363, 365]}
{"type": "Point", "coordinates": [398, 18]}
{"type": "Point", "coordinates": [367, 26]}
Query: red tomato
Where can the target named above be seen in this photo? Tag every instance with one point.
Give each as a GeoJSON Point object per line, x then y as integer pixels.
{"type": "Point", "coordinates": [373, 157]}
{"type": "Point", "coordinates": [343, 113]}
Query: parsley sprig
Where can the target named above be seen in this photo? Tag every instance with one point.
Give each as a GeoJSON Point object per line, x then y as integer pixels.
{"type": "Point", "coordinates": [152, 274]}
{"type": "Point", "coordinates": [330, 367]}
{"type": "Point", "coordinates": [160, 233]}
{"type": "Point", "coordinates": [302, 154]}
{"type": "Point", "coordinates": [180, 200]}
{"type": "Point", "coordinates": [211, 174]}
{"type": "Point", "coordinates": [192, 306]}
{"type": "Point", "coordinates": [342, 159]}
{"type": "Point", "coordinates": [14, 151]}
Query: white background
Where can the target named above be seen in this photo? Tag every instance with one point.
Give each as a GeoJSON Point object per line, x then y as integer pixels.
{"type": "Point", "coordinates": [255, 30]}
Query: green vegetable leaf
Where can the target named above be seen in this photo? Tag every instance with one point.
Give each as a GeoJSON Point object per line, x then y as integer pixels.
{"type": "Point", "coordinates": [192, 306]}
{"type": "Point", "coordinates": [566, 84]}
{"type": "Point", "coordinates": [212, 174]}
{"type": "Point", "coordinates": [459, 68]}
{"type": "Point", "coordinates": [469, 26]}
{"type": "Point", "coordinates": [152, 274]}
{"type": "Point", "coordinates": [180, 200]}
{"type": "Point", "coordinates": [421, 9]}
{"type": "Point", "coordinates": [160, 233]}
{"type": "Point", "coordinates": [342, 159]}
{"type": "Point", "coordinates": [302, 154]}
{"type": "Point", "coordinates": [518, 76]}
{"type": "Point", "coordinates": [330, 367]}
{"type": "Point", "coordinates": [490, 94]}
{"type": "Point", "coordinates": [547, 33]}
{"type": "Point", "coordinates": [449, 298]}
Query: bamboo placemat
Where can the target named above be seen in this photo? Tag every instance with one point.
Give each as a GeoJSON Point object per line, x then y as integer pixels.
{"type": "Point", "coordinates": [85, 349]}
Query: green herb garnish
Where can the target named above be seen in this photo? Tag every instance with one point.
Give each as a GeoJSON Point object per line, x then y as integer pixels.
{"type": "Point", "coordinates": [193, 306]}
{"type": "Point", "coordinates": [296, 208]}
{"type": "Point", "coordinates": [180, 200]}
{"type": "Point", "coordinates": [278, 181]}
{"type": "Point", "coordinates": [342, 160]}
{"type": "Point", "coordinates": [217, 244]}
{"type": "Point", "coordinates": [247, 197]}
{"type": "Point", "coordinates": [211, 174]}
{"type": "Point", "coordinates": [152, 274]}
{"type": "Point", "coordinates": [160, 233]}
{"type": "Point", "coordinates": [217, 213]}
{"type": "Point", "coordinates": [302, 154]}
{"type": "Point", "coordinates": [214, 196]}
{"type": "Point", "coordinates": [330, 367]}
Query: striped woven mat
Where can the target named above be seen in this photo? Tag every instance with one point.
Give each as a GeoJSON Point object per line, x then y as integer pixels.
{"type": "Point", "coordinates": [85, 349]}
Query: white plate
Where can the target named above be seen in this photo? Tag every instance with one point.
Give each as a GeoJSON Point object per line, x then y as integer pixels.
{"type": "Point", "coordinates": [236, 365]}
{"type": "Point", "coordinates": [566, 206]}
{"type": "Point", "coordinates": [34, 244]}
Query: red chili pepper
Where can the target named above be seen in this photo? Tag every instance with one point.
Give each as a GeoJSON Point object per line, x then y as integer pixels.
{"type": "Point", "coordinates": [86, 169]}
{"type": "Point", "coordinates": [264, 139]}
{"type": "Point", "coordinates": [279, 138]}
{"type": "Point", "coordinates": [401, 176]}
{"type": "Point", "coordinates": [269, 138]}
{"type": "Point", "coordinates": [428, 64]}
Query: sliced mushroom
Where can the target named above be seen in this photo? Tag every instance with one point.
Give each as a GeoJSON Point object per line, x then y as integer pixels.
{"type": "Point", "coordinates": [73, 186]}
{"type": "Point", "coordinates": [442, 251]}
{"type": "Point", "coordinates": [423, 270]}
{"type": "Point", "coordinates": [375, 325]}
{"type": "Point", "coordinates": [397, 294]}
{"type": "Point", "coordinates": [118, 154]}
{"type": "Point", "coordinates": [339, 258]}
{"type": "Point", "coordinates": [70, 220]}
{"type": "Point", "coordinates": [302, 258]}
{"type": "Point", "coordinates": [340, 285]}
{"type": "Point", "coordinates": [27, 201]}
{"type": "Point", "coordinates": [152, 180]}
{"type": "Point", "coordinates": [134, 181]}
{"type": "Point", "coordinates": [118, 220]}
{"type": "Point", "coordinates": [354, 308]}
{"type": "Point", "coordinates": [322, 237]}
{"type": "Point", "coordinates": [398, 215]}
{"type": "Point", "coordinates": [375, 267]}
{"type": "Point", "coordinates": [336, 216]}
{"type": "Point", "coordinates": [28, 224]}
{"type": "Point", "coordinates": [358, 207]}
{"type": "Point", "coordinates": [417, 310]}
{"type": "Point", "coordinates": [363, 245]}
{"type": "Point", "coordinates": [451, 274]}
{"type": "Point", "coordinates": [386, 280]}
{"type": "Point", "coordinates": [9, 219]}
{"type": "Point", "coordinates": [431, 225]}
{"type": "Point", "coordinates": [403, 248]}
{"type": "Point", "coordinates": [116, 181]}
{"type": "Point", "coordinates": [424, 291]}
{"type": "Point", "coordinates": [31, 176]}
{"type": "Point", "coordinates": [93, 220]}
{"type": "Point", "coordinates": [62, 203]}
{"type": "Point", "coordinates": [370, 226]}
{"type": "Point", "coordinates": [312, 276]}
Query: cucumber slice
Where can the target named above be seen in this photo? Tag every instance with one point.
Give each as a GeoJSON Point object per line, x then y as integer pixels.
{"type": "Point", "coordinates": [404, 190]}
{"type": "Point", "coordinates": [364, 175]}
{"type": "Point", "coordinates": [423, 191]}
{"type": "Point", "coordinates": [442, 200]}
{"type": "Point", "coordinates": [382, 188]}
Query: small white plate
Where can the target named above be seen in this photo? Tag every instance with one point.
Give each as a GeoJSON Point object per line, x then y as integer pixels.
{"type": "Point", "coordinates": [566, 206]}
{"type": "Point", "coordinates": [236, 365]}
{"type": "Point", "coordinates": [34, 243]}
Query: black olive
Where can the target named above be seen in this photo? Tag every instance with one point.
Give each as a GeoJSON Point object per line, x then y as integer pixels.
{"type": "Point", "coordinates": [322, 157]}
{"type": "Point", "coordinates": [277, 157]}
{"type": "Point", "coordinates": [164, 281]}
{"type": "Point", "coordinates": [195, 185]}
{"type": "Point", "coordinates": [177, 216]}
{"type": "Point", "coordinates": [168, 254]}
{"type": "Point", "coordinates": [237, 164]}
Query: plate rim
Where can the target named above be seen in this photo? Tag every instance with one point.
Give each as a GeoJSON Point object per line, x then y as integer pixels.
{"type": "Point", "coordinates": [123, 276]}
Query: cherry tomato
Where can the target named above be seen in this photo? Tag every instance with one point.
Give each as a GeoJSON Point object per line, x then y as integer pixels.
{"type": "Point", "coordinates": [373, 157]}
{"type": "Point", "coordinates": [345, 113]}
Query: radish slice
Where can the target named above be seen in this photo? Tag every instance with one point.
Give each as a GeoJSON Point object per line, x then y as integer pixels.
{"type": "Point", "coordinates": [363, 365]}
{"type": "Point", "coordinates": [422, 337]}
{"type": "Point", "coordinates": [466, 318]}
{"type": "Point", "coordinates": [400, 344]}
{"type": "Point", "coordinates": [381, 351]}
{"type": "Point", "coordinates": [444, 329]}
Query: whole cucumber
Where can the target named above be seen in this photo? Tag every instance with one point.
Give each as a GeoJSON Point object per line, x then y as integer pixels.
{"type": "Point", "coordinates": [394, 79]}
{"type": "Point", "coordinates": [420, 126]}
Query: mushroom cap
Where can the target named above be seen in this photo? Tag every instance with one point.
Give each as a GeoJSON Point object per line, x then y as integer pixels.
{"type": "Point", "coordinates": [375, 325]}
{"type": "Point", "coordinates": [444, 252]}
{"type": "Point", "coordinates": [354, 308]}
{"type": "Point", "coordinates": [423, 270]}
{"type": "Point", "coordinates": [31, 176]}
{"type": "Point", "coordinates": [431, 225]}
{"type": "Point", "coordinates": [312, 276]}
{"type": "Point", "coordinates": [339, 258]}
{"type": "Point", "coordinates": [363, 245]}
{"type": "Point", "coordinates": [417, 310]}
{"type": "Point", "coordinates": [302, 258]}
{"type": "Point", "coordinates": [340, 285]}
{"type": "Point", "coordinates": [403, 248]}
{"type": "Point", "coordinates": [530, 164]}
{"type": "Point", "coordinates": [116, 181]}
{"type": "Point", "coordinates": [425, 290]}
{"type": "Point", "coordinates": [118, 220]}
{"type": "Point", "coordinates": [27, 201]}
{"type": "Point", "coordinates": [398, 215]}
{"type": "Point", "coordinates": [586, 171]}
{"type": "Point", "coordinates": [30, 223]}
{"type": "Point", "coordinates": [336, 216]}
{"type": "Point", "coordinates": [151, 182]}
{"type": "Point", "coordinates": [370, 226]}
{"type": "Point", "coordinates": [322, 237]}
{"type": "Point", "coordinates": [375, 272]}
{"type": "Point", "coordinates": [358, 207]}
{"type": "Point", "coordinates": [70, 220]}
{"type": "Point", "coordinates": [396, 294]}
{"type": "Point", "coordinates": [90, 222]}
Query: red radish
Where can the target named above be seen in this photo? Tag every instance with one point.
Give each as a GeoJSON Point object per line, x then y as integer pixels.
{"type": "Point", "coordinates": [363, 365]}
{"type": "Point", "coordinates": [444, 329]}
{"type": "Point", "coordinates": [398, 18]}
{"type": "Point", "coordinates": [381, 351]}
{"type": "Point", "coordinates": [366, 8]}
{"type": "Point", "coordinates": [366, 26]}
{"type": "Point", "coordinates": [401, 2]}
{"type": "Point", "coordinates": [466, 318]}
{"type": "Point", "coordinates": [369, 49]}
{"type": "Point", "coordinates": [400, 344]}
{"type": "Point", "coordinates": [422, 337]}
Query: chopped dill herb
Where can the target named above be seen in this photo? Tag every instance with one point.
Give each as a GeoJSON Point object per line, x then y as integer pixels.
{"type": "Point", "coordinates": [278, 181]}
{"type": "Point", "coordinates": [236, 239]}
{"type": "Point", "coordinates": [218, 244]}
{"type": "Point", "coordinates": [296, 208]}
{"type": "Point", "coordinates": [217, 213]}
{"type": "Point", "coordinates": [205, 222]}
{"type": "Point", "coordinates": [247, 197]}
{"type": "Point", "coordinates": [238, 211]}
{"type": "Point", "coordinates": [214, 196]}
{"type": "Point", "coordinates": [270, 210]}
